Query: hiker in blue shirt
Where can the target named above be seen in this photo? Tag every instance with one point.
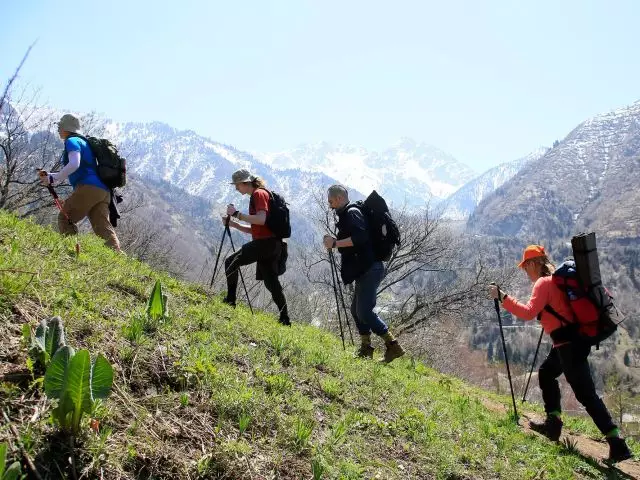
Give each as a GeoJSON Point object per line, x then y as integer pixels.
{"type": "Point", "coordinates": [90, 197]}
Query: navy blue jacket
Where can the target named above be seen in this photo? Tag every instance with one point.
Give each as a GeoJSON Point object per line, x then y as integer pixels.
{"type": "Point", "coordinates": [358, 259]}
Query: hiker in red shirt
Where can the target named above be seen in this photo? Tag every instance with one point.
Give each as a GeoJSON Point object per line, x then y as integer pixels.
{"type": "Point", "coordinates": [569, 354]}
{"type": "Point", "coordinates": [265, 249]}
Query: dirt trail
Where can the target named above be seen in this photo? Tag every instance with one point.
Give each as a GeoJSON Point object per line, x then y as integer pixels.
{"type": "Point", "coordinates": [587, 447]}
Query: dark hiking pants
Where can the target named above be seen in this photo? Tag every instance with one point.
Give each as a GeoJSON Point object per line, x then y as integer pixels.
{"type": "Point", "coordinates": [572, 360]}
{"type": "Point", "coordinates": [266, 253]}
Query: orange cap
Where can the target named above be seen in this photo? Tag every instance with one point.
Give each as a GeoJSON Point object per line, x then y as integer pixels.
{"type": "Point", "coordinates": [532, 251]}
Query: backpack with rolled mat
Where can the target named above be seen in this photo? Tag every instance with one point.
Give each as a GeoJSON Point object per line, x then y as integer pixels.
{"type": "Point", "coordinates": [590, 302]}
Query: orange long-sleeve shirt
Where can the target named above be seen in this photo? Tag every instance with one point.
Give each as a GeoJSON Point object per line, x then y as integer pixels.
{"type": "Point", "coordinates": [544, 292]}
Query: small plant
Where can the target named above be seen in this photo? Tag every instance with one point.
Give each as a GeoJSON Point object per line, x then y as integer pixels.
{"type": "Point", "coordinates": [445, 383]}
{"type": "Point", "coordinates": [570, 445]}
{"type": "Point", "coordinates": [76, 383]}
{"type": "Point", "coordinates": [320, 358]}
{"type": "Point", "coordinates": [331, 387]}
{"type": "Point", "coordinates": [184, 399]}
{"type": "Point", "coordinates": [303, 432]}
{"type": "Point", "coordinates": [236, 447]}
{"type": "Point", "coordinates": [243, 422]}
{"type": "Point", "coordinates": [204, 463]}
{"type": "Point", "coordinates": [13, 472]}
{"type": "Point", "coordinates": [350, 470]}
{"type": "Point", "coordinates": [338, 432]}
{"type": "Point", "coordinates": [317, 468]}
{"type": "Point", "coordinates": [278, 342]}
{"type": "Point", "coordinates": [157, 304]}
{"type": "Point", "coordinates": [278, 384]}
{"type": "Point", "coordinates": [47, 340]}
{"type": "Point", "coordinates": [134, 330]}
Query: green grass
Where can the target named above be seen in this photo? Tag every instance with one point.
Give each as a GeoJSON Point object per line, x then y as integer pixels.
{"type": "Point", "coordinates": [212, 392]}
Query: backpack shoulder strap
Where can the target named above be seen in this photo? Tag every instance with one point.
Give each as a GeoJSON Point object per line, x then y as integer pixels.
{"type": "Point", "coordinates": [251, 202]}
{"type": "Point", "coordinates": [550, 309]}
{"type": "Point", "coordinates": [77, 135]}
{"type": "Point", "coordinates": [262, 188]}
{"type": "Point", "coordinates": [354, 206]}
{"type": "Point", "coordinates": [81, 137]}
{"type": "Point", "coordinates": [73, 135]}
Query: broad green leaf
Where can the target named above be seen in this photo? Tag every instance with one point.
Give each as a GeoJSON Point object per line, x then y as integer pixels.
{"type": "Point", "coordinates": [77, 393]}
{"type": "Point", "coordinates": [26, 334]}
{"type": "Point", "coordinates": [3, 455]}
{"type": "Point", "coordinates": [101, 378]}
{"type": "Point", "coordinates": [55, 376]}
{"type": "Point", "coordinates": [39, 341]}
{"type": "Point", "coordinates": [155, 306]}
{"type": "Point", "coordinates": [165, 311]}
{"type": "Point", "coordinates": [14, 472]}
{"type": "Point", "coordinates": [54, 338]}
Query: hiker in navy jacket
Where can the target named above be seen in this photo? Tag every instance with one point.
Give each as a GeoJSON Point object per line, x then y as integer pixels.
{"type": "Point", "coordinates": [359, 265]}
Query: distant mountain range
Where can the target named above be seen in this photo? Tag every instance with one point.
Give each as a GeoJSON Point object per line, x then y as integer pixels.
{"type": "Point", "coordinates": [465, 200]}
{"type": "Point", "coordinates": [588, 181]}
{"type": "Point", "coordinates": [408, 172]}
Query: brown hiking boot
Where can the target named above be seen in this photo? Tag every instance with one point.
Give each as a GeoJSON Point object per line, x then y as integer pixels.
{"type": "Point", "coordinates": [393, 351]}
{"type": "Point", "coordinates": [366, 351]}
{"type": "Point", "coordinates": [550, 428]}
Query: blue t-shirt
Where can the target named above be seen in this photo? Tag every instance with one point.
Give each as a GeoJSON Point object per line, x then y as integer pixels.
{"type": "Point", "coordinates": [87, 172]}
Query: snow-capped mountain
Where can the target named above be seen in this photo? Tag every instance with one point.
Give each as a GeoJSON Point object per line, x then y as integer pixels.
{"type": "Point", "coordinates": [203, 167]}
{"type": "Point", "coordinates": [464, 201]}
{"type": "Point", "coordinates": [589, 181]}
{"type": "Point", "coordinates": [408, 172]}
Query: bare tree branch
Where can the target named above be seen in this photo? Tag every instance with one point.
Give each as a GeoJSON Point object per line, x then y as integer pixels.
{"type": "Point", "coordinates": [13, 78]}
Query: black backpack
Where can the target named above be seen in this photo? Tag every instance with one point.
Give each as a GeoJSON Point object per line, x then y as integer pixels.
{"type": "Point", "coordinates": [278, 216]}
{"type": "Point", "coordinates": [383, 230]}
{"type": "Point", "coordinates": [112, 168]}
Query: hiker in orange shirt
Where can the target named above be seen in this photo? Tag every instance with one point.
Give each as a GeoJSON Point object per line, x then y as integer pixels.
{"type": "Point", "coordinates": [569, 354]}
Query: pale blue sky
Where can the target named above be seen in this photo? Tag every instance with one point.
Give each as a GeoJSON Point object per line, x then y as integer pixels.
{"type": "Point", "coordinates": [486, 81]}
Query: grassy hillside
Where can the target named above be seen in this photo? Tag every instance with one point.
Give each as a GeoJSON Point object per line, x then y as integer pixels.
{"type": "Point", "coordinates": [213, 392]}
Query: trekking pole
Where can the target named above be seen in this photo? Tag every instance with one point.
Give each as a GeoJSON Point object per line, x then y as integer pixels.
{"type": "Point", "coordinates": [244, 285]}
{"type": "Point", "coordinates": [215, 268]}
{"type": "Point", "coordinates": [58, 203]}
{"type": "Point", "coordinates": [335, 293]}
{"type": "Point", "coordinates": [341, 295]}
{"type": "Point", "coordinates": [336, 283]}
{"type": "Point", "coordinates": [535, 357]}
{"type": "Point", "coordinates": [496, 303]}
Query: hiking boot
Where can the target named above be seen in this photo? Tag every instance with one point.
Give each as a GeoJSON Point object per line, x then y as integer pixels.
{"type": "Point", "coordinates": [284, 320]}
{"type": "Point", "coordinates": [618, 450]}
{"type": "Point", "coordinates": [550, 428]}
{"type": "Point", "coordinates": [366, 351]}
{"type": "Point", "coordinates": [229, 302]}
{"type": "Point", "coordinates": [393, 351]}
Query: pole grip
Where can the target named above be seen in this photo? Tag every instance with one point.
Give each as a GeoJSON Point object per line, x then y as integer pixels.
{"type": "Point", "coordinates": [496, 302]}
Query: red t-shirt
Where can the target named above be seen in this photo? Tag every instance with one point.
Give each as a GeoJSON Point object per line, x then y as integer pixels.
{"type": "Point", "coordinates": [259, 202]}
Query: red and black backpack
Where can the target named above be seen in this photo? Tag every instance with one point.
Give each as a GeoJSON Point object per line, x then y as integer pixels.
{"type": "Point", "coordinates": [590, 302]}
